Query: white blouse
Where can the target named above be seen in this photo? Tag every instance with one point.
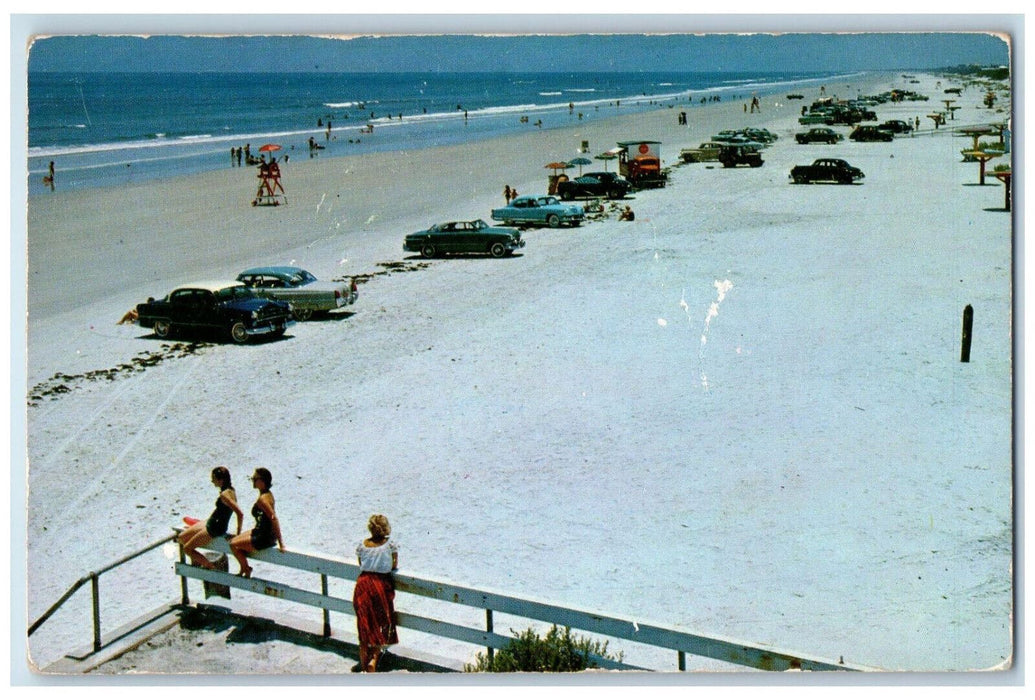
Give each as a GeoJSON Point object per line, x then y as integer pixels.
{"type": "Point", "coordinates": [377, 559]}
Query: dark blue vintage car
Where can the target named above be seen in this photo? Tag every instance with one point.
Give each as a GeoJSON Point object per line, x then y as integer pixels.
{"type": "Point", "coordinates": [455, 237]}
{"type": "Point", "coordinates": [601, 184]}
{"type": "Point", "coordinates": [221, 307]}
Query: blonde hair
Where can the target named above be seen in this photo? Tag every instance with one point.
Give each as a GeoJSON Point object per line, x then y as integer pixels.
{"type": "Point", "coordinates": [378, 526]}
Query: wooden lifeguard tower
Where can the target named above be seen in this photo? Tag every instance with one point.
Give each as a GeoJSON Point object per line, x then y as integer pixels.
{"type": "Point", "coordinates": [271, 191]}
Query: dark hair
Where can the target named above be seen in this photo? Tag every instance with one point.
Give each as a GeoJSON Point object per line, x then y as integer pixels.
{"type": "Point", "coordinates": [222, 475]}
{"type": "Point", "coordinates": [264, 474]}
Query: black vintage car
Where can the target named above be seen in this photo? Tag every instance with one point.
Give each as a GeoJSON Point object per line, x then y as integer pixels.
{"type": "Point", "coordinates": [732, 155]}
{"type": "Point", "coordinates": [826, 170]}
{"type": "Point", "coordinates": [602, 184]}
{"type": "Point", "coordinates": [896, 126]}
{"type": "Point", "coordinates": [228, 307]}
{"type": "Point", "coordinates": [870, 133]}
{"type": "Point", "coordinates": [818, 134]}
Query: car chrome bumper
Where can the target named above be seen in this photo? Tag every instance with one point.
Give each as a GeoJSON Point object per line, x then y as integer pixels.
{"type": "Point", "coordinates": [270, 327]}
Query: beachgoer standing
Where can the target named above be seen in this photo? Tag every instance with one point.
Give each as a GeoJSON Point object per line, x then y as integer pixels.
{"type": "Point", "coordinates": [238, 156]}
{"type": "Point", "coordinates": [373, 599]}
{"type": "Point", "coordinates": [232, 159]}
{"type": "Point", "coordinates": [506, 193]}
{"type": "Point", "coordinates": [248, 153]}
{"type": "Point", "coordinates": [49, 178]}
{"type": "Point", "coordinates": [201, 533]}
{"type": "Point", "coordinates": [266, 532]}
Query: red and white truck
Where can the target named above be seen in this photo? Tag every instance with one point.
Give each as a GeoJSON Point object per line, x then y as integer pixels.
{"type": "Point", "coordinates": [639, 162]}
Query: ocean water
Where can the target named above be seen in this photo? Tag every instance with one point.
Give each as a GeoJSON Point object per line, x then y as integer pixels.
{"type": "Point", "coordinates": [104, 129]}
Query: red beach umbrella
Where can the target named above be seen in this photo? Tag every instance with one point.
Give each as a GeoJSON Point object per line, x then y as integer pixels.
{"type": "Point", "coordinates": [557, 166]}
{"type": "Point", "coordinates": [267, 148]}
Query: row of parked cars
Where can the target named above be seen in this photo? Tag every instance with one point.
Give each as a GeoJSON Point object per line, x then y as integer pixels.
{"type": "Point", "coordinates": [862, 133]}
{"type": "Point", "coordinates": [262, 301]}
{"type": "Point", "coordinates": [266, 301]}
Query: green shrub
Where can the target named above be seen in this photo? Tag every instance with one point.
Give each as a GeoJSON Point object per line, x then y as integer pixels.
{"type": "Point", "coordinates": [557, 651]}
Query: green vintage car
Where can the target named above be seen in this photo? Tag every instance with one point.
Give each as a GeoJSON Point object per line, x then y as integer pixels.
{"type": "Point", "coordinates": [457, 237]}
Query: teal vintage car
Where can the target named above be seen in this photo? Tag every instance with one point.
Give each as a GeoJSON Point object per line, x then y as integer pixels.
{"type": "Point", "coordinates": [453, 237]}
{"type": "Point", "coordinates": [306, 294]}
{"type": "Point", "coordinates": [539, 210]}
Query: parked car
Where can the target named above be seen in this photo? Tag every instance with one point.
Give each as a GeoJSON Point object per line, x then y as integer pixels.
{"type": "Point", "coordinates": [870, 133]}
{"type": "Point", "coordinates": [826, 170]}
{"type": "Point", "coordinates": [300, 288]}
{"type": "Point", "coordinates": [733, 155]}
{"type": "Point", "coordinates": [707, 151]}
{"type": "Point", "coordinates": [816, 116]}
{"type": "Point", "coordinates": [795, 96]}
{"type": "Point", "coordinates": [818, 134]}
{"type": "Point", "coordinates": [230, 307]}
{"type": "Point", "coordinates": [455, 237]}
{"type": "Point", "coordinates": [760, 137]}
{"type": "Point", "coordinates": [602, 184]}
{"type": "Point", "coordinates": [539, 210]}
{"type": "Point", "coordinates": [896, 126]}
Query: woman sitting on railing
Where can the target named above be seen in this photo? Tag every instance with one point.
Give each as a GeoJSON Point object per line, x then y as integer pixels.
{"type": "Point", "coordinates": [374, 596]}
{"type": "Point", "coordinates": [266, 532]}
{"type": "Point", "coordinates": [201, 533]}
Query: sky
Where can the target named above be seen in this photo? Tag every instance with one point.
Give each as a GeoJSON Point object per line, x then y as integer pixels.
{"type": "Point", "coordinates": [454, 51]}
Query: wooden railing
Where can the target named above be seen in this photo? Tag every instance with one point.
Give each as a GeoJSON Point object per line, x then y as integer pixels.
{"type": "Point", "coordinates": [681, 642]}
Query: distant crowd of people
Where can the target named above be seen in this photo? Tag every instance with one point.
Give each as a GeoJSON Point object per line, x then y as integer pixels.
{"type": "Point", "coordinates": [373, 597]}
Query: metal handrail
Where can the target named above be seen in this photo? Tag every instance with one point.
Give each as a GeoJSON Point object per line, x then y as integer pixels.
{"type": "Point", "coordinates": [94, 579]}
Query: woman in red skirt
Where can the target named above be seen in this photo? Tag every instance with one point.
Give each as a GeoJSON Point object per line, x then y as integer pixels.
{"type": "Point", "coordinates": [374, 596]}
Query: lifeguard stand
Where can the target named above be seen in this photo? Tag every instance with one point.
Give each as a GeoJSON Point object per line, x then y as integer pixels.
{"type": "Point", "coordinates": [271, 191]}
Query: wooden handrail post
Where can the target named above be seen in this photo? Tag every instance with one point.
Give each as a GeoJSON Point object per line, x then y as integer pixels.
{"type": "Point", "coordinates": [681, 660]}
{"type": "Point", "coordinates": [95, 586]}
{"type": "Point", "coordinates": [184, 598]}
{"type": "Point", "coordinates": [488, 628]}
{"type": "Point", "coordinates": [326, 612]}
{"type": "Point", "coordinates": [968, 328]}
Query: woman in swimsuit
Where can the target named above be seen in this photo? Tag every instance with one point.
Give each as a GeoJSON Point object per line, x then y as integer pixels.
{"type": "Point", "coordinates": [266, 532]}
{"type": "Point", "coordinates": [200, 534]}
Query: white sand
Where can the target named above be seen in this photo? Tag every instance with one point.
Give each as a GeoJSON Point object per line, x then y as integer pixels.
{"type": "Point", "coordinates": [822, 474]}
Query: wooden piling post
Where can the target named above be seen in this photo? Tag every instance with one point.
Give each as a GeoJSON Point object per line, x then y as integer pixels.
{"type": "Point", "coordinates": [968, 326]}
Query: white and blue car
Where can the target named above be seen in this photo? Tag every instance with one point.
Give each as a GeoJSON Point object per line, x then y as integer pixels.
{"type": "Point", "coordinates": [539, 210]}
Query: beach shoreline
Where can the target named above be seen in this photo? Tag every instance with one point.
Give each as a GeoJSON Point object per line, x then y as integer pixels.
{"type": "Point", "coordinates": [816, 413]}
{"type": "Point", "coordinates": [357, 132]}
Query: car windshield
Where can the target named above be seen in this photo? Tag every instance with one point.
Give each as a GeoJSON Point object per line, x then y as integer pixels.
{"type": "Point", "coordinates": [234, 293]}
{"type": "Point", "coordinates": [300, 278]}
{"type": "Point", "coordinates": [545, 201]}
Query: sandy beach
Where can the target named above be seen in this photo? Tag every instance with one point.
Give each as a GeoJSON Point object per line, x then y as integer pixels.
{"type": "Point", "coordinates": [742, 414]}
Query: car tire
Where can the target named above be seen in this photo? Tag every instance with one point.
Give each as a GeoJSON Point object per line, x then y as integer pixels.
{"type": "Point", "coordinates": [553, 221]}
{"type": "Point", "coordinates": [567, 195]}
{"type": "Point", "coordinates": [427, 250]}
{"type": "Point", "coordinates": [497, 250]}
{"type": "Point", "coordinates": [801, 180]}
{"type": "Point", "coordinates": [615, 194]}
{"type": "Point", "coordinates": [302, 314]}
{"type": "Point", "coordinates": [163, 329]}
{"type": "Point", "coordinates": [239, 333]}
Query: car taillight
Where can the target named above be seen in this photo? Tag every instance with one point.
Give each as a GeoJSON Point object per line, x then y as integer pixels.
{"type": "Point", "coordinates": [337, 294]}
{"type": "Point", "coordinates": [354, 287]}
